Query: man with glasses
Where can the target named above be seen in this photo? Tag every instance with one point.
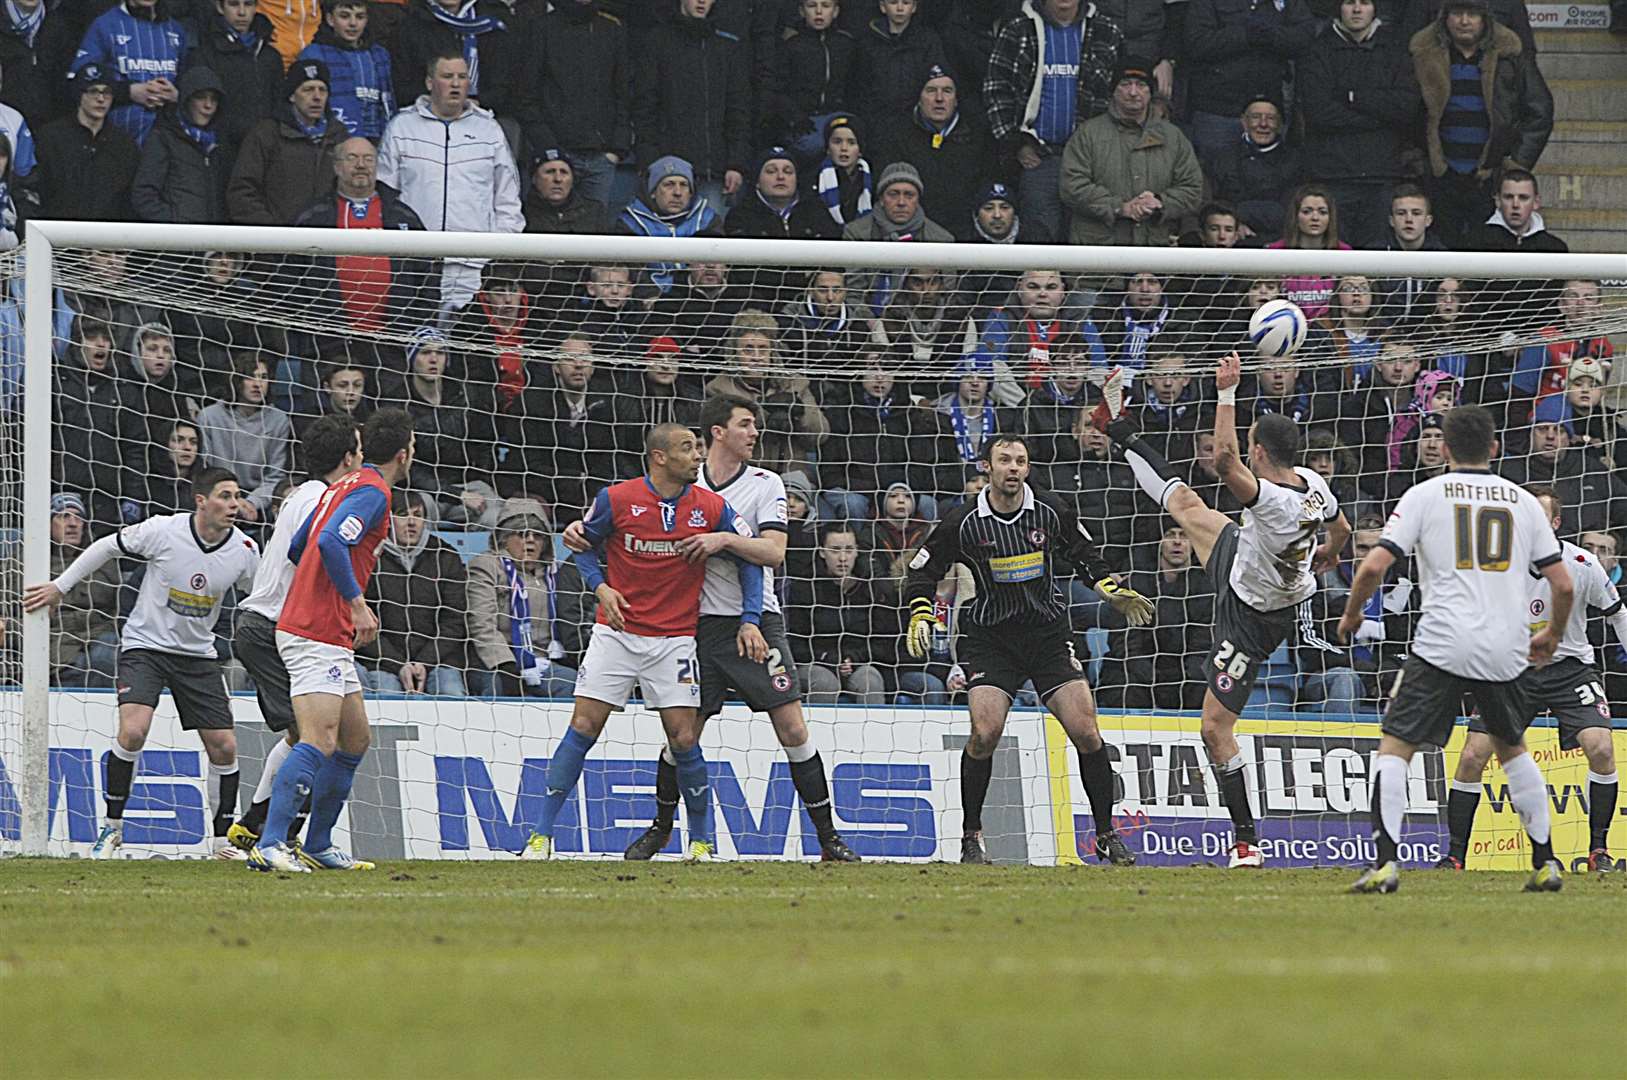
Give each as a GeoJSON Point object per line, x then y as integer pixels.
{"type": "Point", "coordinates": [86, 165]}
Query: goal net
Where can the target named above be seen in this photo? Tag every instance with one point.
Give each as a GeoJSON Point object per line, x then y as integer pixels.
{"type": "Point", "coordinates": [877, 372]}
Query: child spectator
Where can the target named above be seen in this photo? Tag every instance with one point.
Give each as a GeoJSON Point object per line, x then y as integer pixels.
{"type": "Point", "coordinates": [165, 487]}
{"type": "Point", "coordinates": [235, 44]}
{"type": "Point", "coordinates": [245, 434]}
{"type": "Point", "coordinates": [1353, 332]}
{"type": "Point", "coordinates": [967, 414]}
{"type": "Point", "coordinates": [419, 593]}
{"type": "Point", "coordinates": [451, 460]}
{"type": "Point", "coordinates": [1435, 393]}
{"type": "Point", "coordinates": [86, 165]}
{"type": "Point", "coordinates": [1312, 222]}
{"type": "Point", "coordinates": [1051, 409]}
{"type": "Point", "coordinates": [183, 170]}
{"type": "Point", "coordinates": [362, 91]}
{"type": "Point", "coordinates": [526, 613]}
{"type": "Point", "coordinates": [813, 67]}
{"type": "Point", "coordinates": [842, 182]}
{"type": "Point", "coordinates": [1368, 415]}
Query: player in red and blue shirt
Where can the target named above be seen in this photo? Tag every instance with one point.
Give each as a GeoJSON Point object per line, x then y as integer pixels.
{"type": "Point", "coordinates": [648, 610]}
{"type": "Point", "coordinates": [323, 619]}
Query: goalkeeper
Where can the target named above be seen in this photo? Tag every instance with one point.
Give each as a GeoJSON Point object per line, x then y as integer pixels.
{"type": "Point", "coordinates": [1016, 628]}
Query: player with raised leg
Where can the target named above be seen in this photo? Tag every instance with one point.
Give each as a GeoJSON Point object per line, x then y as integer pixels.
{"type": "Point", "coordinates": [169, 640]}
{"type": "Point", "coordinates": [1476, 538]}
{"type": "Point", "coordinates": [649, 604]}
{"type": "Point", "coordinates": [324, 617]}
{"type": "Point", "coordinates": [1570, 688]}
{"type": "Point", "coordinates": [757, 496]}
{"type": "Point", "coordinates": [332, 449]}
{"type": "Point", "coordinates": [1262, 570]}
{"type": "Point", "coordinates": [1015, 541]}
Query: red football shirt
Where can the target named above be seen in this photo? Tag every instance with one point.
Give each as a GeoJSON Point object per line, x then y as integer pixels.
{"type": "Point", "coordinates": [356, 509]}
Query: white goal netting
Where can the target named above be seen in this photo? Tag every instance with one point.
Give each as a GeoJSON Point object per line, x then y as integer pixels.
{"type": "Point", "coordinates": [878, 372]}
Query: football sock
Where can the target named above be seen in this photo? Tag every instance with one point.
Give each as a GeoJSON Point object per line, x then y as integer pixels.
{"type": "Point", "coordinates": [223, 785]}
{"type": "Point", "coordinates": [564, 769]}
{"type": "Point", "coordinates": [1601, 808]}
{"type": "Point", "coordinates": [1529, 794]}
{"type": "Point", "coordinates": [121, 773]}
{"type": "Point", "coordinates": [1096, 772]}
{"type": "Point", "coordinates": [697, 792]}
{"type": "Point", "coordinates": [1462, 800]}
{"type": "Point", "coordinates": [1155, 474]}
{"type": "Point", "coordinates": [974, 788]}
{"type": "Point", "coordinates": [294, 783]}
{"type": "Point", "coordinates": [1234, 792]}
{"type": "Point", "coordinates": [1389, 804]}
{"type": "Point", "coordinates": [274, 758]}
{"type": "Point", "coordinates": [666, 789]}
{"type": "Point", "coordinates": [808, 776]}
{"type": "Point", "coordinates": [328, 794]}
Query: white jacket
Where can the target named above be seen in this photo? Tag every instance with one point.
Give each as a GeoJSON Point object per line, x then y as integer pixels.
{"type": "Point", "coordinates": [458, 175]}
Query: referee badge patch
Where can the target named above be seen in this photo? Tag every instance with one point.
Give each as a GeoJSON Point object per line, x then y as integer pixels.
{"type": "Point", "coordinates": [1013, 569]}
{"type": "Point", "coordinates": [351, 529]}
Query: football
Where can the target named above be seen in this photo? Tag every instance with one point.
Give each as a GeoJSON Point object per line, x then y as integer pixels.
{"type": "Point", "coordinates": [1277, 328]}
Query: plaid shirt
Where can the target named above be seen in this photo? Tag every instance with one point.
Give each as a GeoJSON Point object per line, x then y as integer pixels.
{"type": "Point", "coordinates": [1014, 72]}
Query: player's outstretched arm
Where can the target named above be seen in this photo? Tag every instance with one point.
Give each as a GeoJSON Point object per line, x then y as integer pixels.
{"type": "Point", "coordinates": [90, 560]}
{"type": "Point", "coordinates": [1368, 576]}
{"type": "Point", "coordinates": [1229, 466]}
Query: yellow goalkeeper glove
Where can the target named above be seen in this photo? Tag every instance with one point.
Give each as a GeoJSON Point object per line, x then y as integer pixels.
{"type": "Point", "coordinates": [1136, 609]}
{"type": "Point", "coordinates": [924, 622]}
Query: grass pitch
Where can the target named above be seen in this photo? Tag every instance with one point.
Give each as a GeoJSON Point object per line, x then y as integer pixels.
{"type": "Point", "coordinates": [179, 969]}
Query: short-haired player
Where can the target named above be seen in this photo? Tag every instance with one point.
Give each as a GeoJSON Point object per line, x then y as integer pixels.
{"type": "Point", "coordinates": [1263, 569]}
{"type": "Point", "coordinates": [729, 431]}
{"type": "Point", "coordinates": [1570, 688]}
{"type": "Point", "coordinates": [1477, 539]}
{"type": "Point", "coordinates": [332, 448]}
{"type": "Point", "coordinates": [168, 642]}
{"type": "Point", "coordinates": [649, 605]}
{"type": "Point", "coordinates": [324, 618]}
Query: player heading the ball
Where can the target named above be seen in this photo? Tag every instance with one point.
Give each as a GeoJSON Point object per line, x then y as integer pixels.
{"type": "Point", "coordinates": [649, 606]}
{"type": "Point", "coordinates": [1262, 570]}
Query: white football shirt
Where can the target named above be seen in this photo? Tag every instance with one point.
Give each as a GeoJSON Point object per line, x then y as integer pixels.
{"type": "Point", "coordinates": [758, 498]}
{"type": "Point", "coordinates": [179, 602]}
{"type": "Point", "coordinates": [1594, 590]}
{"type": "Point", "coordinates": [276, 573]}
{"type": "Point", "coordinates": [1272, 570]}
{"type": "Point", "coordinates": [1477, 538]}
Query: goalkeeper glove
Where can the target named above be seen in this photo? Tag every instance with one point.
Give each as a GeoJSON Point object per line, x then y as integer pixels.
{"type": "Point", "coordinates": [1136, 609]}
{"type": "Point", "coordinates": [924, 623]}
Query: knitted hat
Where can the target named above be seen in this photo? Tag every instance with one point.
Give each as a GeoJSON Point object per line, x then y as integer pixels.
{"type": "Point", "coordinates": [900, 172]}
{"type": "Point", "coordinates": [773, 153]}
{"type": "Point", "coordinates": [994, 191]}
{"type": "Point", "coordinates": [1134, 67]}
{"type": "Point", "coordinates": [92, 74]}
{"type": "Point", "coordinates": [1585, 366]}
{"type": "Point", "coordinates": [842, 120]}
{"type": "Point", "coordinates": [1267, 95]}
{"type": "Point", "coordinates": [304, 71]}
{"type": "Point", "coordinates": [66, 502]}
{"type": "Point", "coordinates": [938, 71]}
{"type": "Point", "coordinates": [553, 153]}
{"type": "Point", "coordinates": [663, 167]}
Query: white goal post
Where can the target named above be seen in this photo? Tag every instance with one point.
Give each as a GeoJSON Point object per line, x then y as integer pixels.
{"type": "Point", "coordinates": [53, 246]}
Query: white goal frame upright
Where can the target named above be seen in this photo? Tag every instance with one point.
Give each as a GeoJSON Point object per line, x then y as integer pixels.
{"type": "Point", "coordinates": [44, 238]}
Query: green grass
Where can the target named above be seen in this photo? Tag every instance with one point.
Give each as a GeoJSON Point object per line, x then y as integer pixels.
{"type": "Point", "coordinates": [603, 969]}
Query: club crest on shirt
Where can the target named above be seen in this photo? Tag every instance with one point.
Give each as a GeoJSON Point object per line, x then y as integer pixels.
{"type": "Point", "coordinates": [639, 509]}
{"type": "Point", "coordinates": [1037, 537]}
{"type": "Point", "coordinates": [199, 582]}
{"type": "Point", "coordinates": [697, 518]}
{"type": "Point", "coordinates": [1538, 607]}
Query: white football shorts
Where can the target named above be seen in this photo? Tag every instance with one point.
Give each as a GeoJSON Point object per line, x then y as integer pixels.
{"type": "Point", "coordinates": [665, 667]}
{"type": "Point", "coordinates": [316, 667]}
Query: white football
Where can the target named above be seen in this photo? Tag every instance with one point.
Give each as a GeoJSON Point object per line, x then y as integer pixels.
{"type": "Point", "coordinates": [1277, 328]}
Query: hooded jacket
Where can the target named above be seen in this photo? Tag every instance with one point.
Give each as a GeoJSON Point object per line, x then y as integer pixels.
{"type": "Point", "coordinates": [82, 439]}
{"type": "Point", "coordinates": [250, 73]}
{"type": "Point", "coordinates": [1359, 99]}
{"type": "Point", "coordinates": [1518, 101]}
{"type": "Point", "coordinates": [362, 93]}
{"type": "Point", "coordinates": [255, 444]}
{"type": "Point", "coordinates": [458, 174]}
{"type": "Point", "coordinates": [142, 409]}
{"type": "Point", "coordinates": [280, 171]}
{"type": "Point", "coordinates": [179, 180]}
{"type": "Point", "coordinates": [419, 594]}
{"type": "Point", "coordinates": [692, 96]}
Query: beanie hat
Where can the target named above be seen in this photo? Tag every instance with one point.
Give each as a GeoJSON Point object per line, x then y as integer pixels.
{"type": "Point", "coordinates": [773, 153]}
{"type": "Point", "coordinates": [553, 153]}
{"type": "Point", "coordinates": [1134, 67]}
{"type": "Point", "coordinates": [304, 71]}
{"type": "Point", "coordinates": [66, 502]}
{"type": "Point", "coordinates": [1590, 366]}
{"type": "Point", "coordinates": [663, 167]}
{"type": "Point", "coordinates": [1267, 95]}
{"type": "Point", "coordinates": [938, 71]}
{"type": "Point", "coordinates": [996, 190]}
{"type": "Point", "coordinates": [900, 172]}
{"type": "Point", "coordinates": [92, 74]}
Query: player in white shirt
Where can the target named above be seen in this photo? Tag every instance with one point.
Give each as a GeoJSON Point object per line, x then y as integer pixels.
{"type": "Point", "coordinates": [169, 639]}
{"type": "Point", "coordinates": [1262, 570]}
{"type": "Point", "coordinates": [332, 447]}
{"type": "Point", "coordinates": [1476, 538]}
{"type": "Point", "coordinates": [729, 427]}
{"type": "Point", "coordinates": [1570, 688]}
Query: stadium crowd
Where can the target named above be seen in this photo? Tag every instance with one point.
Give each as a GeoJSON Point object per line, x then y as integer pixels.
{"type": "Point", "coordinates": [1407, 125]}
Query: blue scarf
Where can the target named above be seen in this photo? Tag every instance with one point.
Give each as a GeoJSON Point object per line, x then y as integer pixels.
{"type": "Point", "coordinates": [201, 137]}
{"type": "Point", "coordinates": [785, 215]}
{"type": "Point", "coordinates": [884, 407]}
{"type": "Point", "coordinates": [939, 135]}
{"type": "Point", "coordinates": [519, 619]}
{"type": "Point", "coordinates": [313, 132]}
{"type": "Point", "coordinates": [1138, 335]}
{"type": "Point", "coordinates": [829, 190]}
{"type": "Point", "coordinates": [248, 38]}
{"type": "Point", "coordinates": [26, 26]}
{"type": "Point", "coordinates": [963, 438]}
{"type": "Point", "coordinates": [468, 26]}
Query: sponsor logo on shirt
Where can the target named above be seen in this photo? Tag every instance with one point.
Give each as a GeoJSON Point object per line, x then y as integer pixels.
{"type": "Point", "coordinates": [1012, 569]}
{"type": "Point", "coordinates": [190, 605]}
{"type": "Point", "coordinates": [649, 547]}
